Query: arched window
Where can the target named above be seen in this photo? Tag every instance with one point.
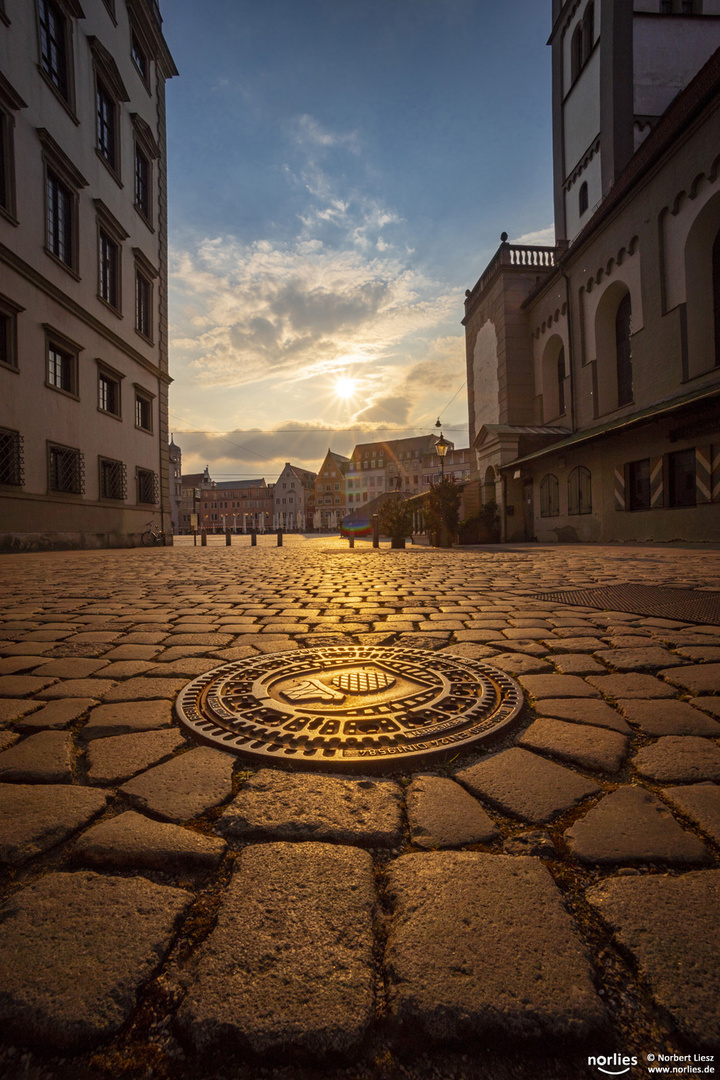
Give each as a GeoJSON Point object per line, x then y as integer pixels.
{"type": "Point", "coordinates": [588, 31]}
{"type": "Point", "coordinates": [623, 350]}
{"type": "Point", "coordinates": [576, 52]}
{"type": "Point", "coordinates": [561, 380]}
{"type": "Point", "coordinates": [583, 198]}
{"type": "Point", "coordinates": [716, 295]}
{"type": "Point", "coordinates": [580, 491]}
{"type": "Point", "coordinates": [549, 496]}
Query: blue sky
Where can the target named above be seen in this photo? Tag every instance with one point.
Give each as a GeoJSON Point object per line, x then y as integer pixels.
{"type": "Point", "coordinates": [340, 172]}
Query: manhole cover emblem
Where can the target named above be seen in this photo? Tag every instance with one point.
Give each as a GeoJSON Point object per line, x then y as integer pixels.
{"type": "Point", "coordinates": [349, 707]}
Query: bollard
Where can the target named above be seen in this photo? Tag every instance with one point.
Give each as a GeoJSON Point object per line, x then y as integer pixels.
{"type": "Point", "coordinates": [228, 541]}
{"type": "Point", "coordinates": [376, 531]}
{"type": "Point", "coordinates": [253, 538]}
{"type": "Point", "coordinates": [203, 538]}
{"type": "Point", "coordinates": [194, 538]}
{"type": "Point", "coordinates": [279, 536]}
{"type": "Point", "coordinates": [352, 541]}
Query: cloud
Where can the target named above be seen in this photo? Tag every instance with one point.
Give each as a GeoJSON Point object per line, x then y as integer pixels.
{"type": "Point", "coordinates": [542, 237]}
{"type": "Point", "coordinates": [309, 131]}
{"type": "Point", "coordinates": [247, 312]}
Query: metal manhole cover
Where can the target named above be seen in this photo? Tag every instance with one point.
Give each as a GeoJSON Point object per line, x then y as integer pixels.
{"type": "Point", "coordinates": [349, 707]}
{"type": "Point", "coordinates": [685, 605]}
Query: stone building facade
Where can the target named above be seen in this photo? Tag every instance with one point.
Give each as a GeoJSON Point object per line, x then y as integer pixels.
{"type": "Point", "coordinates": [293, 493]}
{"type": "Point", "coordinates": [83, 247]}
{"type": "Point", "coordinates": [594, 366]}
{"type": "Point", "coordinates": [239, 505]}
{"type": "Point", "coordinates": [331, 492]}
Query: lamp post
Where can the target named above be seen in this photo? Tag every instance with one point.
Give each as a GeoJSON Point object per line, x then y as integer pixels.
{"type": "Point", "coordinates": [441, 448]}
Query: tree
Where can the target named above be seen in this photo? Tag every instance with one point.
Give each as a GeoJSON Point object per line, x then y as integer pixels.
{"type": "Point", "coordinates": [442, 511]}
{"type": "Point", "coordinates": [395, 519]}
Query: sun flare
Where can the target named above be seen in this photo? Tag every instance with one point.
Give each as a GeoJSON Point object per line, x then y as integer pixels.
{"type": "Point", "coordinates": [345, 387]}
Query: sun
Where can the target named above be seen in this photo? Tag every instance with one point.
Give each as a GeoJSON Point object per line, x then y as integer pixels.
{"type": "Point", "coordinates": [345, 387]}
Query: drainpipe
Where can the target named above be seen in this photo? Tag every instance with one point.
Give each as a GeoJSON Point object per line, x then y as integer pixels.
{"type": "Point", "coordinates": [571, 350]}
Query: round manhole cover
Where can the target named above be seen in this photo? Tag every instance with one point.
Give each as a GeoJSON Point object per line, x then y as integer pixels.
{"type": "Point", "coordinates": [349, 707]}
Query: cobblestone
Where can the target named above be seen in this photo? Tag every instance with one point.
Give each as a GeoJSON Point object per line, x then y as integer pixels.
{"type": "Point", "coordinates": [184, 787]}
{"type": "Point", "coordinates": [678, 957]}
{"type": "Point", "coordinates": [632, 826]}
{"type": "Point", "coordinates": [449, 938]}
{"type": "Point", "coordinates": [526, 785]}
{"type": "Point", "coordinates": [289, 965]}
{"type": "Point", "coordinates": [132, 841]}
{"type": "Point", "coordinates": [68, 967]}
{"type": "Point", "coordinates": [678, 759]}
{"type": "Point", "coordinates": [442, 815]}
{"type": "Point", "coordinates": [497, 956]}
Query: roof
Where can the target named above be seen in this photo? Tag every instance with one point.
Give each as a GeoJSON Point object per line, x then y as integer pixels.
{"type": "Point", "coordinates": [653, 412]}
{"type": "Point", "coordinates": [306, 478]}
{"type": "Point", "coordinates": [342, 463]}
{"type": "Point", "coordinates": [228, 485]}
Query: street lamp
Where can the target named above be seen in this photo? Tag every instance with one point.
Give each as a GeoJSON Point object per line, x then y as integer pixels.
{"type": "Point", "coordinates": [441, 448]}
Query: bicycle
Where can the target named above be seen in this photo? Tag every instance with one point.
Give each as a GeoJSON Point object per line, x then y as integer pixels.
{"type": "Point", "coordinates": [152, 536]}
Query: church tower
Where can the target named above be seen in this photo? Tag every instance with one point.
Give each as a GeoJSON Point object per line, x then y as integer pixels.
{"type": "Point", "coordinates": [616, 66]}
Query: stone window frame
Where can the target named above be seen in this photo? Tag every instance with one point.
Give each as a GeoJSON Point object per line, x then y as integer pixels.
{"type": "Point", "coordinates": [145, 479]}
{"type": "Point", "coordinates": [111, 376]}
{"type": "Point", "coordinates": [579, 491]}
{"type": "Point", "coordinates": [109, 90]}
{"type": "Point", "coordinates": [70, 350]}
{"type": "Point", "coordinates": [143, 398]}
{"type": "Point", "coordinates": [10, 103]}
{"type": "Point", "coordinates": [74, 459]}
{"type": "Point", "coordinates": [112, 475]}
{"type": "Point", "coordinates": [11, 458]}
{"type": "Point", "coordinates": [145, 275]}
{"type": "Point", "coordinates": [145, 141]}
{"type": "Point", "coordinates": [111, 231]}
{"type": "Point", "coordinates": [9, 312]}
{"type": "Point", "coordinates": [58, 166]}
{"type": "Point", "coordinates": [66, 11]}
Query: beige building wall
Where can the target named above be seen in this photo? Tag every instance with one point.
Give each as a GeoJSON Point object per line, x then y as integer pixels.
{"type": "Point", "coordinates": [83, 389]}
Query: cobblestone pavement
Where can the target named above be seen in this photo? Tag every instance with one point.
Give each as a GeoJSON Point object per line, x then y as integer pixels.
{"type": "Point", "coordinates": [174, 911]}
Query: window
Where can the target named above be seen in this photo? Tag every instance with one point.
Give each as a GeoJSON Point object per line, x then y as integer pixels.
{"type": "Point", "coordinates": [145, 273]}
{"type": "Point", "coordinates": [549, 496]}
{"type": "Point", "coordinates": [583, 198]}
{"type": "Point", "coordinates": [109, 270]}
{"type": "Point", "coordinates": [143, 411]}
{"type": "Point", "coordinates": [561, 381]}
{"type": "Point", "coordinates": [139, 57]}
{"type": "Point", "coordinates": [681, 478]}
{"type": "Point", "coordinates": [62, 182]}
{"type": "Point", "coordinates": [62, 365]}
{"type": "Point", "coordinates": [60, 220]}
{"type": "Point", "coordinates": [8, 332]}
{"type": "Point", "coordinates": [142, 183]}
{"type": "Point", "coordinates": [54, 46]}
{"type": "Point", "coordinates": [623, 350]}
{"type": "Point", "coordinates": [143, 290]}
{"type": "Point", "coordinates": [109, 92]}
{"type": "Point", "coordinates": [106, 126]}
{"type": "Point", "coordinates": [10, 102]}
{"type": "Point", "coordinates": [113, 479]}
{"type": "Point", "coordinates": [580, 491]}
{"type": "Point", "coordinates": [638, 485]}
{"type": "Point", "coordinates": [11, 458]}
{"type": "Point", "coordinates": [66, 470]}
{"type": "Point", "coordinates": [147, 487]}
{"type": "Point", "coordinates": [109, 392]}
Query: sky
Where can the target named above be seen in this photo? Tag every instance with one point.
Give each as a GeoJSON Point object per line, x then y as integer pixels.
{"type": "Point", "coordinates": [340, 172]}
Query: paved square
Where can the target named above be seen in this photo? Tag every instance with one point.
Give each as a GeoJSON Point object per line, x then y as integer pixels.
{"type": "Point", "coordinates": [286, 912]}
